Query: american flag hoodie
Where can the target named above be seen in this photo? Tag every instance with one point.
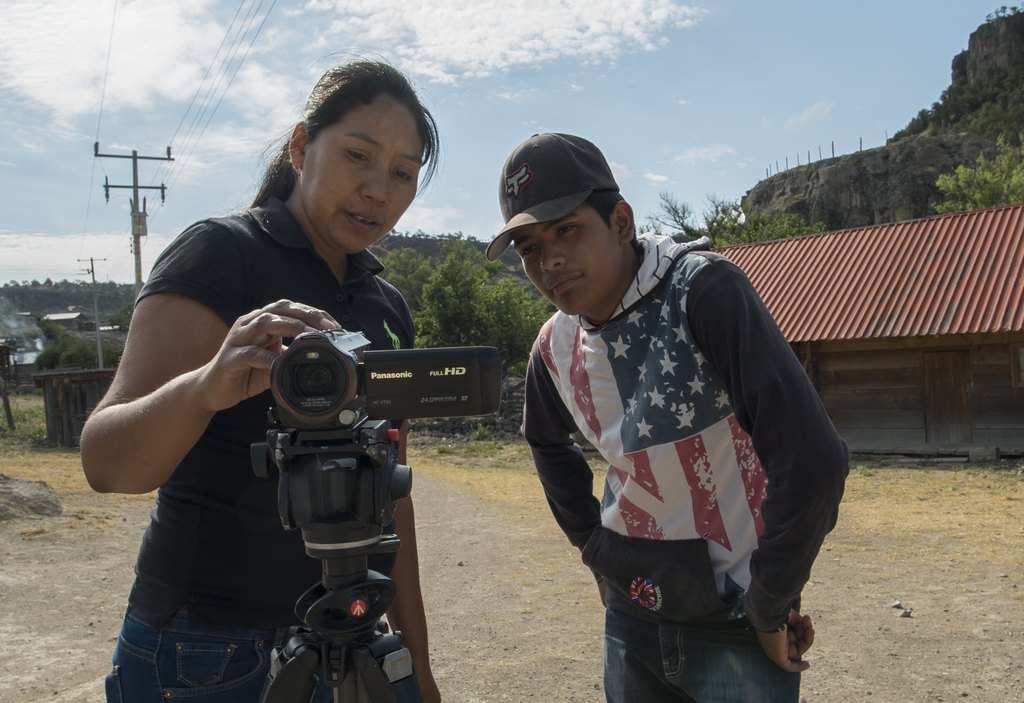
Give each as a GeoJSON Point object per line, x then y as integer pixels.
{"type": "Point", "coordinates": [724, 473]}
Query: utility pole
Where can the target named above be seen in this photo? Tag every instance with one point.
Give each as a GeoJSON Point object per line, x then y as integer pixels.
{"type": "Point", "coordinates": [138, 216]}
{"type": "Point", "coordinates": [95, 309]}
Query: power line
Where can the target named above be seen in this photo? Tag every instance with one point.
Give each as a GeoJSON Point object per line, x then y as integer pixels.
{"type": "Point", "coordinates": [99, 118]}
{"type": "Point", "coordinates": [207, 74]}
{"type": "Point", "coordinates": [226, 59]}
{"type": "Point", "coordinates": [230, 81]}
{"type": "Point", "coordinates": [106, 70]}
{"type": "Point", "coordinates": [189, 148]}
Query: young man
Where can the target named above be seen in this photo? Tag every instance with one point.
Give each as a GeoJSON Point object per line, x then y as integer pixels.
{"type": "Point", "coordinates": [725, 473]}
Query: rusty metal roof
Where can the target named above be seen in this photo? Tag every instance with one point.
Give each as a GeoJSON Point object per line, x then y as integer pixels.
{"type": "Point", "coordinates": [950, 274]}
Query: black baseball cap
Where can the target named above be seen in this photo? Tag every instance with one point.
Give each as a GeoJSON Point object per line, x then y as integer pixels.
{"type": "Point", "coordinates": [544, 179]}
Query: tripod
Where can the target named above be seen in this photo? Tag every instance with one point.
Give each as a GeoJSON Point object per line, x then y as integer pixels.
{"type": "Point", "coordinates": [339, 487]}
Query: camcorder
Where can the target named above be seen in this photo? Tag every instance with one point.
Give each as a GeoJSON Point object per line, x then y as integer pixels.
{"type": "Point", "coordinates": [335, 450]}
{"type": "Point", "coordinates": [331, 379]}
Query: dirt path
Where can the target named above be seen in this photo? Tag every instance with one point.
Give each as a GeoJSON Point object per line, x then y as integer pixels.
{"type": "Point", "coordinates": [493, 638]}
{"type": "Point", "coordinates": [513, 617]}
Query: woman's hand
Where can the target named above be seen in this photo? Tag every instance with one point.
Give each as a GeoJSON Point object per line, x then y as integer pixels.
{"type": "Point", "coordinates": [181, 364]}
{"type": "Point", "coordinates": [241, 367]}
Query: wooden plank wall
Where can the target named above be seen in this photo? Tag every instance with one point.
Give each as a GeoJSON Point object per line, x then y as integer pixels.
{"type": "Point", "coordinates": [997, 405]}
{"type": "Point", "coordinates": [875, 398]}
{"type": "Point", "coordinates": [874, 391]}
{"type": "Point", "coordinates": [68, 399]}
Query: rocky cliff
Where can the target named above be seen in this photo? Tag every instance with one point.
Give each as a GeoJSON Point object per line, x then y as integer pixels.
{"type": "Point", "coordinates": [897, 182]}
{"type": "Point", "coordinates": [998, 44]}
{"type": "Point", "coordinates": [888, 184]}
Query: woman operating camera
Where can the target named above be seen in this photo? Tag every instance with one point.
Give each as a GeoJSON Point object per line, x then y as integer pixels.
{"type": "Point", "coordinates": [217, 575]}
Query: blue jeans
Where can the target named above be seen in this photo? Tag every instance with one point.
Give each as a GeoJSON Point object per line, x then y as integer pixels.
{"type": "Point", "coordinates": [193, 661]}
{"type": "Point", "coordinates": [697, 663]}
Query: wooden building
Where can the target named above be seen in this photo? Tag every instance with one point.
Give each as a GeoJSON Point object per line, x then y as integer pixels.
{"type": "Point", "coordinates": [71, 320]}
{"type": "Point", "coordinates": [7, 371]}
{"type": "Point", "coordinates": [69, 395]}
{"type": "Point", "coordinates": [913, 332]}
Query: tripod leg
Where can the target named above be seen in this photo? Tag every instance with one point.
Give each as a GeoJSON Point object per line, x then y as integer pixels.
{"type": "Point", "coordinates": [369, 683]}
{"type": "Point", "coordinates": [293, 672]}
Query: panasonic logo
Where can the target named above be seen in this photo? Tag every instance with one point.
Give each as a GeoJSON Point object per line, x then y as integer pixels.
{"type": "Point", "coordinates": [449, 371]}
{"type": "Point", "coordinates": [394, 374]}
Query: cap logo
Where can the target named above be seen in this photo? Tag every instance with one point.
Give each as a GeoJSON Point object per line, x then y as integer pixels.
{"type": "Point", "coordinates": [516, 181]}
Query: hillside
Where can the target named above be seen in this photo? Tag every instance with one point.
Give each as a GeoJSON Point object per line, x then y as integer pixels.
{"type": "Point", "coordinates": [42, 298]}
{"type": "Point", "coordinates": [984, 102]}
{"type": "Point", "coordinates": [986, 94]}
{"type": "Point", "coordinates": [429, 246]}
{"type": "Point", "coordinates": [887, 184]}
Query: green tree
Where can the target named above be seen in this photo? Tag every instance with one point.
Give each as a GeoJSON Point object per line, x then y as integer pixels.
{"type": "Point", "coordinates": [673, 218]}
{"type": "Point", "coordinates": [723, 220]}
{"type": "Point", "coordinates": [123, 317]}
{"type": "Point", "coordinates": [408, 271]}
{"type": "Point", "coordinates": [513, 313]}
{"type": "Point", "coordinates": [70, 352]}
{"type": "Point", "coordinates": [726, 224]}
{"type": "Point", "coordinates": [470, 301]}
{"type": "Point", "coordinates": [51, 330]}
{"type": "Point", "coordinates": [762, 227]}
{"type": "Point", "coordinates": [450, 316]}
{"type": "Point", "coordinates": [989, 183]}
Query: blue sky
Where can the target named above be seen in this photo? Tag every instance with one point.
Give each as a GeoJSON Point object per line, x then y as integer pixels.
{"type": "Point", "coordinates": [690, 99]}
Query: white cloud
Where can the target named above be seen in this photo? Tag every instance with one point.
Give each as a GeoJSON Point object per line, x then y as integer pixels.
{"type": "Point", "coordinates": [655, 178]}
{"type": "Point", "coordinates": [432, 220]}
{"type": "Point", "coordinates": [55, 53]}
{"type": "Point", "coordinates": [37, 256]}
{"type": "Point", "coordinates": [54, 57]}
{"type": "Point", "coordinates": [446, 40]}
{"type": "Point", "coordinates": [621, 172]}
{"type": "Point", "coordinates": [816, 113]}
{"type": "Point", "coordinates": [514, 96]}
{"type": "Point", "coordinates": [713, 152]}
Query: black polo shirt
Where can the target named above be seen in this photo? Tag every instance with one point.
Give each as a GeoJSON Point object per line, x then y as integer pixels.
{"type": "Point", "coordinates": [215, 542]}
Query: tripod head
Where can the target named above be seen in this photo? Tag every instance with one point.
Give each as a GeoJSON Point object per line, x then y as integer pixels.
{"type": "Point", "coordinates": [338, 486]}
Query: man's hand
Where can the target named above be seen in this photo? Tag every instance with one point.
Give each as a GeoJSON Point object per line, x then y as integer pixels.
{"type": "Point", "coordinates": [786, 648]}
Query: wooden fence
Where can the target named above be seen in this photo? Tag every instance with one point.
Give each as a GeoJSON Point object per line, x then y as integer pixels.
{"type": "Point", "coordinates": [69, 396]}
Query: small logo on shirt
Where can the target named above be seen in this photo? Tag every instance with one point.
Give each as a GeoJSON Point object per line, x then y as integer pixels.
{"type": "Point", "coordinates": [396, 343]}
{"type": "Point", "coordinates": [644, 593]}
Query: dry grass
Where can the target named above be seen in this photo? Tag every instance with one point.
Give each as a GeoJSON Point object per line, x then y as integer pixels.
{"type": "Point", "coordinates": [60, 468]}
{"type": "Point", "coordinates": [933, 506]}
{"type": "Point", "coordinates": [24, 455]}
{"type": "Point", "coordinates": [501, 472]}
{"type": "Point", "coordinates": [901, 506]}
{"type": "Point", "coordinates": [912, 502]}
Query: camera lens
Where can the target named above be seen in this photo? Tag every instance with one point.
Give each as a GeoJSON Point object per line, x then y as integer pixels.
{"type": "Point", "coordinates": [316, 377]}
{"type": "Point", "coordinates": [315, 380]}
